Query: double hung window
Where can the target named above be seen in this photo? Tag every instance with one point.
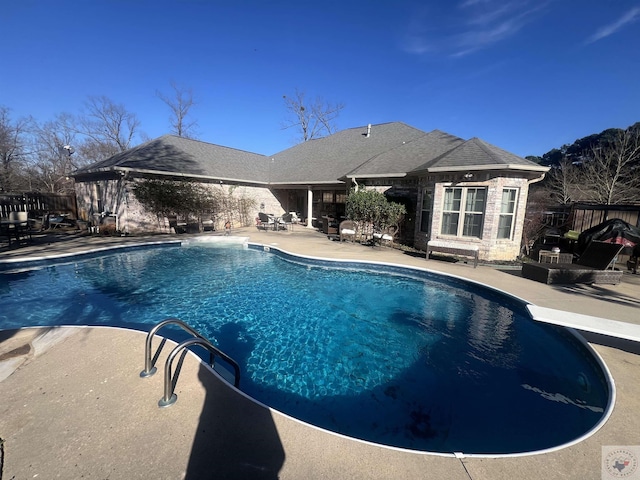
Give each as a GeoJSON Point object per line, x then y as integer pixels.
{"type": "Point", "coordinates": [425, 216]}
{"type": "Point", "coordinates": [507, 212]}
{"type": "Point", "coordinates": [463, 211]}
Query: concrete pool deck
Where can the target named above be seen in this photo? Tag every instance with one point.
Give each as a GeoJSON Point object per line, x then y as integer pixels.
{"type": "Point", "coordinates": [73, 405]}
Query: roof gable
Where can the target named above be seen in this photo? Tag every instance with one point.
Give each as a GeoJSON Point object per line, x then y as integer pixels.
{"type": "Point", "coordinates": [406, 156]}
{"type": "Point", "coordinates": [477, 154]}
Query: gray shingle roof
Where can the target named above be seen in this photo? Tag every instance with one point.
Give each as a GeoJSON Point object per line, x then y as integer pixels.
{"type": "Point", "coordinates": [391, 149]}
{"type": "Point", "coordinates": [477, 154]}
{"type": "Point", "coordinates": [406, 156]}
{"type": "Point", "coordinates": [172, 154]}
{"type": "Point", "coordinates": [331, 158]}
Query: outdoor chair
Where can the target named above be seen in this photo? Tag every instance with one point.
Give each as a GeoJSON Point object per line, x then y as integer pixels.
{"type": "Point", "coordinates": [59, 221]}
{"type": "Point", "coordinates": [178, 227]}
{"type": "Point", "coordinates": [634, 259]}
{"type": "Point", "coordinates": [347, 229]}
{"type": "Point", "coordinates": [266, 221]}
{"type": "Point", "coordinates": [595, 265]}
{"type": "Point", "coordinates": [208, 225]}
{"type": "Point", "coordinates": [21, 217]}
{"type": "Point", "coordinates": [386, 236]}
{"type": "Point", "coordinates": [329, 225]}
{"type": "Point", "coordinates": [286, 221]}
{"type": "Point", "coordinates": [5, 232]}
{"type": "Point", "coordinates": [19, 226]}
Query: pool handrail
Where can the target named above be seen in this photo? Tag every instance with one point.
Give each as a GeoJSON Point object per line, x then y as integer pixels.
{"type": "Point", "coordinates": [170, 397]}
{"type": "Point", "coordinates": [149, 368]}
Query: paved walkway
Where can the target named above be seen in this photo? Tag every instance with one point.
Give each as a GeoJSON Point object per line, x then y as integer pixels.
{"type": "Point", "coordinates": [73, 405]}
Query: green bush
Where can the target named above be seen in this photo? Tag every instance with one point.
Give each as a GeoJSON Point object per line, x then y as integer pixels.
{"type": "Point", "coordinates": [372, 207]}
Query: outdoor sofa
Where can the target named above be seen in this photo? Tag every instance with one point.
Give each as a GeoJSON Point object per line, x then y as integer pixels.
{"type": "Point", "coordinates": [595, 265]}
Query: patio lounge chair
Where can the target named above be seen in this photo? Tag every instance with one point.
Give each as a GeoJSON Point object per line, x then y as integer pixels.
{"type": "Point", "coordinates": [595, 265]}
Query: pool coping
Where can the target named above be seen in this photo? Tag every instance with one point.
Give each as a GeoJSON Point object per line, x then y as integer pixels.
{"type": "Point", "coordinates": [540, 314]}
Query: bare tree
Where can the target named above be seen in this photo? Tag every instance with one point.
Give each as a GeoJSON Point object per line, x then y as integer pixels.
{"type": "Point", "coordinates": [108, 126]}
{"type": "Point", "coordinates": [180, 104]}
{"type": "Point", "coordinates": [563, 181]}
{"type": "Point", "coordinates": [611, 173]}
{"type": "Point", "coordinates": [13, 149]}
{"type": "Point", "coordinates": [313, 120]}
{"type": "Point", "coordinates": [534, 226]}
{"type": "Point", "coordinates": [54, 157]}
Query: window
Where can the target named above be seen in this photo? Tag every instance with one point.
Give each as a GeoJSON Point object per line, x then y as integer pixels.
{"type": "Point", "coordinates": [98, 199]}
{"type": "Point", "coordinates": [463, 211]}
{"type": "Point", "coordinates": [341, 197]}
{"type": "Point", "coordinates": [507, 212]}
{"type": "Point", "coordinates": [474, 212]}
{"type": "Point", "coordinates": [425, 216]}
{"type": "Point", "coordinates": [327, 197]}
{"type": "Point", "coordinates": [451, 211]}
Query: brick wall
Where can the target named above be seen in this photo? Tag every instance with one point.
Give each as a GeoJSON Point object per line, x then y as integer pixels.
{"type": "Point", "coordinates": [117, 197]}
{"type": "Point", "coordinates": [491, 248]}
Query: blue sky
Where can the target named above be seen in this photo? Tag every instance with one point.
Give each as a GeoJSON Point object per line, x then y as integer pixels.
{"type": "Point", "coordinates": [525, 75]}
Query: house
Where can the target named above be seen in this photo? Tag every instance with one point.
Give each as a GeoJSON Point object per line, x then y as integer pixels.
{"type": "Point", "coordinates": [466, 191]}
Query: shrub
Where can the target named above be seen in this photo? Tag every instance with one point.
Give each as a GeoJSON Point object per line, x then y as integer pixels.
{"type": "Point", "coordinates": [370, 207]}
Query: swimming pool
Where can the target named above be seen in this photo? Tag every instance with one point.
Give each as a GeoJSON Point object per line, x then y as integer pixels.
{"type": "Point", "coordinates": [395, 356]}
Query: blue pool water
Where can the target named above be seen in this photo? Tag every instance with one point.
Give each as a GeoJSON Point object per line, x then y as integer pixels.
{"type": "Point", "coordinates": [397, 357]}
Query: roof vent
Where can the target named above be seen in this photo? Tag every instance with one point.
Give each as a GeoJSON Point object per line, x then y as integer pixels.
{"type": "Point", "coordinates": [368, 130]}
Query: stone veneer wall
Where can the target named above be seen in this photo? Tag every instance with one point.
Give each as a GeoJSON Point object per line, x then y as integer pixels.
{"type": "Point", "coordinates": [118, 198]}
{"type": "Point", "coordinates": [491, 248]}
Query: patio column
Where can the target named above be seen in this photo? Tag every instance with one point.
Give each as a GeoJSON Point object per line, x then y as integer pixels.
{"type": "Point", "coordinates": [309, 207]}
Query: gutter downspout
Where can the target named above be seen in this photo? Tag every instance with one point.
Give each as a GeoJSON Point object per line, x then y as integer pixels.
{"type": "Point", "coordinates": [523, 239]}
{"type": "Point", "coordinates": [536, 180]}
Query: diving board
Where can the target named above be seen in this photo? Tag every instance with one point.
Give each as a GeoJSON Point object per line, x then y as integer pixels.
{"type": "Point", "coordinates": [588, 323]}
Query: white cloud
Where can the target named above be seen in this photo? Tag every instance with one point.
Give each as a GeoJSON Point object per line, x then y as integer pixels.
{"type": "Point", "coordinates": [629, 17]}
{"type": "Point", "coordinates": [418, 45]}
{"type": "Point", "coordinates": [472, 26]}
{"type": "Point", "coordinates": [471, 3]}
{"type": "Point", "coordinates": [474, 40]}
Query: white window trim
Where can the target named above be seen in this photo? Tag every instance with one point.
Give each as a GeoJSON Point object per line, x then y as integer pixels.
{"type": "Point", "coordinates": [463, 212]}
{"type": "Point", "coordinates": [426, 192]}
{"type": "Point", "coordinates": [512, 214]}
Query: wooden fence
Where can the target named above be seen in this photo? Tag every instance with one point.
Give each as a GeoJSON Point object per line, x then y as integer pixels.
{"type": "Point", "coordinates": [584, 216]}
{"type": "Point", "coordinates": [38, 204]}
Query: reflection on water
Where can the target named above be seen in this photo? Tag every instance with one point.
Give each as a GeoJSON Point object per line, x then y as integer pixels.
{"type": "Point", "coordinates": [558, 397]}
